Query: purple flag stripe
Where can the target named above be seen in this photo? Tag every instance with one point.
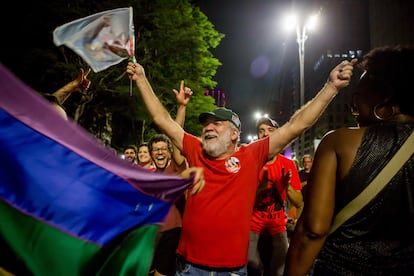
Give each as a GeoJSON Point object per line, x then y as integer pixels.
{"type": "Point", "coordinates": [57, 172]}
{"type": "Point", "coordinates": [17, 99]}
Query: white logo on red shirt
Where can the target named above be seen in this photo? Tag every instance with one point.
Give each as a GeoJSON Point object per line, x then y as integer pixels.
{"type": "Point", "coordinates": [233, 165]}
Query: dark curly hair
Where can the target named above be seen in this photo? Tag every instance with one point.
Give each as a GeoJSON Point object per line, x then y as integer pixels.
{"type": "Point", "coordinates": [160, 138]}
{"type": "Point", "coordinates": [392, 69]}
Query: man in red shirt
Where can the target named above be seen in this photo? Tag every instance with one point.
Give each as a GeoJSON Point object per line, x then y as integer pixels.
{"type": "Point", "coordinates": [216, 222]}
{"type": "Point", "coordinates": [278, 181]}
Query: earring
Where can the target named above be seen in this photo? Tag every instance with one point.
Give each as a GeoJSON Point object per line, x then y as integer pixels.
{"type": "Point", "coordinates": [383, 118]}
{"type": "Point", "coordinates": [354, 111]}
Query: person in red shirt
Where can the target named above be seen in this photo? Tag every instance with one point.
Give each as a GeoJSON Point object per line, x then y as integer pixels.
{"type": "Point", "coordinates": [216, 222]}
{"type": "Point", "coordinates": [278, 181]}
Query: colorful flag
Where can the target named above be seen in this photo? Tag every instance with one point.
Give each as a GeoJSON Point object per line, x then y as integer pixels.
{"type": "Point", "coordinates": [102, 39]}
{"type": "Point", "coordinates": [69, 205]}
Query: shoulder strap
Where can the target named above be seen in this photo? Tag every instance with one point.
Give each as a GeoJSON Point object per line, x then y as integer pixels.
{"type": "Point", "coordinates": [377, 184]}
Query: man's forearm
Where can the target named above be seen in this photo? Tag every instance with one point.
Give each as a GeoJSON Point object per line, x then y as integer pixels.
{"type": "Point", "coordinates": [154, 106]}
{"type": "Point", "coordinates": [63, 93]}
{"type": "Point", "coordinates": [307, 115]}
{"type": "Point", "coordinates": [295, 197]}
{"type": "Point", "coordinates": [157, 111]}
{"type": "Point", "coordinates": [180, 118]}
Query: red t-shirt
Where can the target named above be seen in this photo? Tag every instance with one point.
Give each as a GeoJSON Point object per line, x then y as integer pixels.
{"type": "Point", "coordinates": [269, 215]}
{"type": "Point", "coordinates": [216, 222]}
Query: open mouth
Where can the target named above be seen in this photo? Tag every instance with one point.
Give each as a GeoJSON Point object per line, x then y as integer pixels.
{"type": "Point", "coordinates": [210, 136]}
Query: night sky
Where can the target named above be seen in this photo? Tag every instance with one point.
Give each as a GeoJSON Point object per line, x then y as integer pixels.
{"type": "Point", "coordinates": [250, 53]}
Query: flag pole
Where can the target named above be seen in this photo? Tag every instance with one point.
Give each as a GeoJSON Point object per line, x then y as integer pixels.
{"type": "Point", "coordinates": [133, 59]}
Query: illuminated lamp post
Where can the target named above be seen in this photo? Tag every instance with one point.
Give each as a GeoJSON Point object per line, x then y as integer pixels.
{"type": "Point", "coordinates": [301, 36]}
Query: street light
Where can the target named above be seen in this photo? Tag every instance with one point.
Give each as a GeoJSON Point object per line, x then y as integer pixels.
{"type": "Point", "coordinates": [251, 138]}
{"type": "Point", "coordinates": [257, 115]}
{"type": "Point", "coordinates": [301, 36]}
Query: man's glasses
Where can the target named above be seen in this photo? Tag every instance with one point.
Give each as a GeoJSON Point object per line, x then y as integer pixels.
{"type": "Point", "coordinates": [164, 149]}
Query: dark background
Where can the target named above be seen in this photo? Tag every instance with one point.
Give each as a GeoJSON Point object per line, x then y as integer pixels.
{"type": "Point", "coordinates": [251, 53]}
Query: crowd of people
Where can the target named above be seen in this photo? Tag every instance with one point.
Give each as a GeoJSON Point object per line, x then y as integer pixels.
{"type": "Point", "coordinates": [217, 222]}
{"type": "Point", "coordinates": [219, 219]}
{"type": "Point", "coordinates": [250, 190]}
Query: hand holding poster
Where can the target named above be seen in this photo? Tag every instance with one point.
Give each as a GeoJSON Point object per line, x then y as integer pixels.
{"type": "Point", "coordinates": [103, 39]}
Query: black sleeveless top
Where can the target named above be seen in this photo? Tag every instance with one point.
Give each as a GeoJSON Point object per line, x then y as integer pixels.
{"type": "Point", "coordinates": [379, 239]}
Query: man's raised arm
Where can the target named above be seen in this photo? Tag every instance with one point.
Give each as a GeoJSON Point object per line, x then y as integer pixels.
{"type": "Point", "coordinates": [308, 114]}
{"type": "Point", "coordinates": [159, 114]}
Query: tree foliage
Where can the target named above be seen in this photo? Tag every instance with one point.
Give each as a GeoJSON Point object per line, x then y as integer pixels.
{"type": "Point", "coordinates": [173, 42]}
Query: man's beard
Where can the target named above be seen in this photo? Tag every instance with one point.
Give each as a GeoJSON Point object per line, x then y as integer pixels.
{"type": "Point", "coordinates": [219, 146]}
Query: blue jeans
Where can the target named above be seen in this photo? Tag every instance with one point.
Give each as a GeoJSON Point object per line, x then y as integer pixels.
{"type": "Point", "coordinates": [186, 269]}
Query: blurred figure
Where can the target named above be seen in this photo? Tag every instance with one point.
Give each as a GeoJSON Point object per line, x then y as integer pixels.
{"type": "Point", "coordinates": [278, 182]}
{"type": "Point", "coordinates": [378, 239]}
{"type": "Point", "coordinates": [307, 161]}
{"type": "Point", "coordinates": [81, 83]}
{"type": "Point", "coordinates": [144, 157]}
{"type": "Point", "coordinates": [56, 105]}
{"type": "Point", "coordinates": [130, 154]}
